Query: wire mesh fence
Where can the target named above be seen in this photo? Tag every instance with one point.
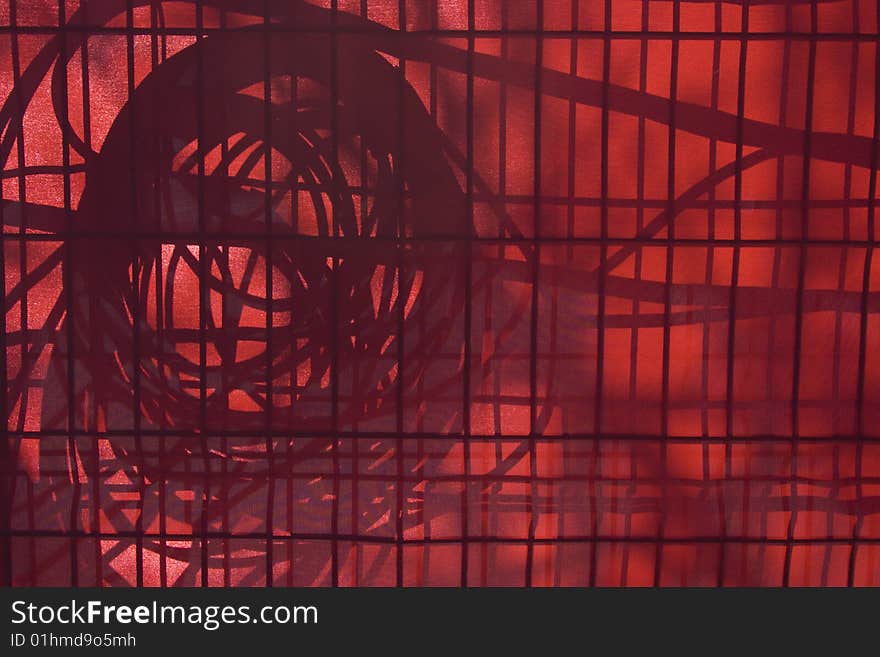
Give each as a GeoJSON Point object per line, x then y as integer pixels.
{"type": "Point", "coordinates": [459, 292]}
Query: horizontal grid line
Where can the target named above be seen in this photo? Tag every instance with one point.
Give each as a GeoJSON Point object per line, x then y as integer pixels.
{"type": "Point", "coordinates": [671, 540]}
{"type": "Point", "coordinates": [415, 435]}
{"type": "Point", "coordinates": [229, 237]}
{"type": "Point", "coordinates": [379, 31]}
{"type": "Point", "coordinates": [280, 474]}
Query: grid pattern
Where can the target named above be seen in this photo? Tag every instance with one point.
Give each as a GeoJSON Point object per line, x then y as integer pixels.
{"type": "Point", "coordinates": [459, 292]}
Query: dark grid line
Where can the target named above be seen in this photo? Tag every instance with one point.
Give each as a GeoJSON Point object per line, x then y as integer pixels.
{"type": "Point", "coordinates": [569, 257]}
{"type": "Point", "coordinates": [667, 293]}
{"type": "Point", "coordinates": [334, 294]}
{"type": "Point", "coordinates": [844, 256]}
{"type": "Point", "coordinates": [357, 477]}
{"type": "Point", "coordinates": [641, 177]}
{"type": "Point", "coordinates": [204, 292]}
{"type": "Point", "coordinates": [468, 302]}
{"type": "Point", "coordinates": [157, 209]}
{"type": "Point", "coordinates": [428, 435]}
{"type": "Point", "coordinates": [22, 195]}
{"type": "Point", "coordinates": [270, 290]}
{"type": "Point", "coordinates": [8, 456]}
{"type": "Point", "coordinates": [403, 291]}
{"type": "Point", "coordinates": [799, 311]}
{"type": "Point", "coordinates": [732, 304]}
{"type": "Point", "coordinates": [135, 311]}
{"type": "Point", "coordinates": [775, 331]}
{"type": "Point", "coordinates": [225, 311]}
{"type": "Point", "coordinates": [535, 255]}
{"type": "Point", "coordinates": [343, 242]}
{"type": "Point", "coordinates": [390, 540]}
{"type": "Point", "coordinates": [863, 319]}
{"type": "Point", "coordinates": [71, 417]}
{"type": "Point", "coordinates": [378, 30]}
{"type": "Point", "coordinates": [307, 475]}
{"type": "Point", "coordinates": [424, 572]}
{"type": "Point", "coordinates": [600, 309]}
{"type": "Point", "coordinates": [513, 199]}
{"type": "Point", "coordinates": [710, 259]}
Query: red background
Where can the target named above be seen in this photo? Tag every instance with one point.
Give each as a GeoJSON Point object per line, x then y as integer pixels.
{"type": "Point", "coordinates": [487, 293]}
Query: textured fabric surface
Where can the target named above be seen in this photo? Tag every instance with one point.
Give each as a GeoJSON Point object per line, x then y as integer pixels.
{"type": "Point", "coordinates": [440, 292]}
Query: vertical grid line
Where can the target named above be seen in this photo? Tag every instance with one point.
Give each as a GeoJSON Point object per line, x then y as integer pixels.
{"type": "Point", "coordinates": [422, 575]}
{"type": "Point", "coordinates": [270, 403]}
{"type": "Point", "coordinates": [777, 265]}
{"type": "Point", "coordinates": [357, 548]}
{"type": "Point", "coordinates": [160, 360]}
{"type": "Point", "coordinates": [334, 294]}
{"type": "Point", "coordinates": [204, 290]}
{"type": "Point", "coordinates": [71, 416]}
{"type": "Point", "coordinates": [799, 310]}
{"type": "Point", "coordinates": [8, 455]}
{"type": "Point", "coordinates": [667, 295]}
{"type": "Point", "coordinates": [22, 252]}
{"type": "Point", "coordinates": [87, 140]}
{"type": "Point", "coordinates": [845, 255]}
{"type": "Point", "coordinates": [222, 171]}
{"type": "Point", "coordinates": [595, 486]}
{"type": "Point", "coordinates": [734, 283]}
{"type": "Point", "coordinates": [403, 293]}
{"type": "Point", "coordinates": [533, 335]}
{"type": "Point", "coordinates": [294, 222]}
{"type": "Point", "coordinates": [709, 277]}
{"type": "Point", "coordinates": [863, 322]}
{"type": "Point", "coordinates": [135, 301]}
{"type": "Point", "coordinates": [468, 299]}
{"type": "Point", "coordinates": [567, 457]}
{"type": "Point", "coordinates": [638, 263]}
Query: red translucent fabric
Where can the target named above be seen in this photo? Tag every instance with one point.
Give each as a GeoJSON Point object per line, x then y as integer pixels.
{"type": "Point", "coordinates": [380, 292]}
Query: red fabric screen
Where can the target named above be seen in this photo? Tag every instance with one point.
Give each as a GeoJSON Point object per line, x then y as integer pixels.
{"type": "Point", "coordinates": [440, 292]}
